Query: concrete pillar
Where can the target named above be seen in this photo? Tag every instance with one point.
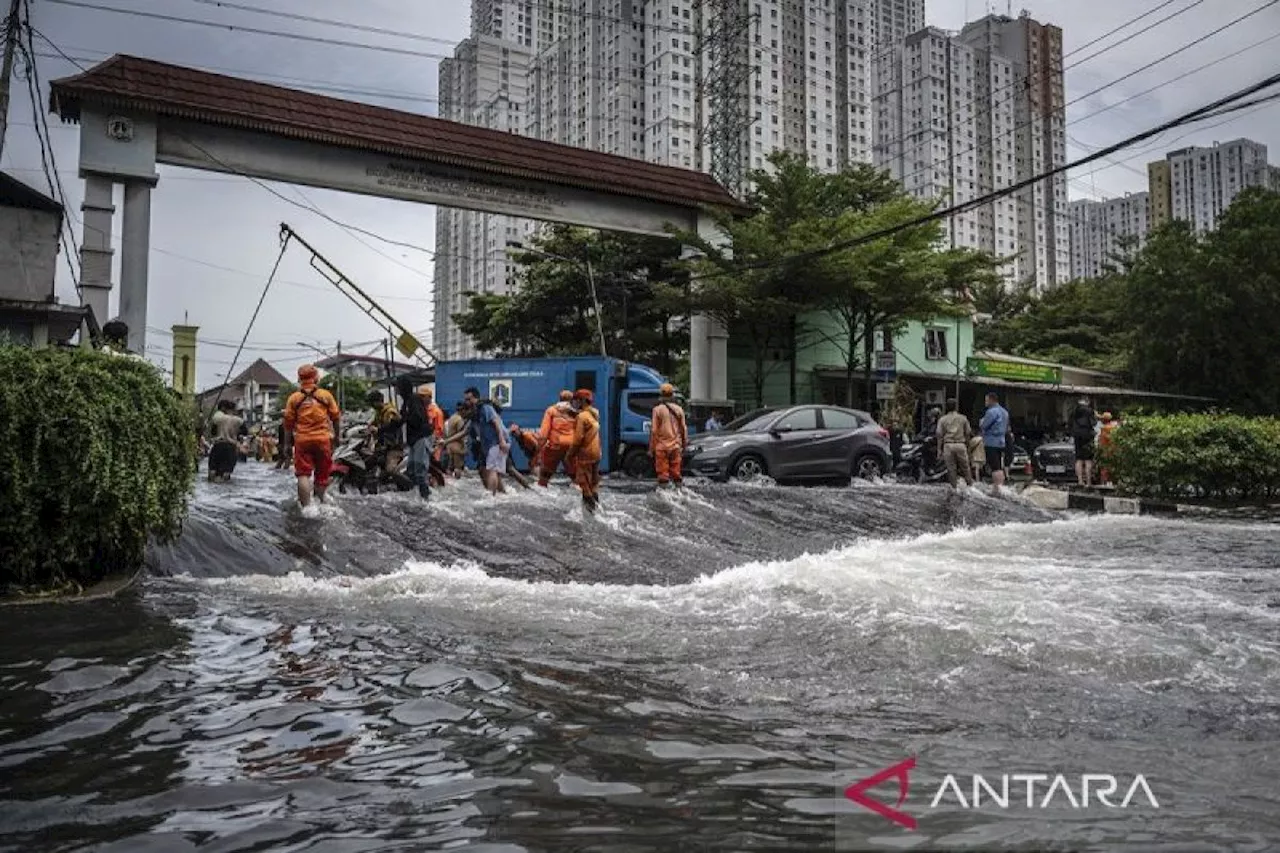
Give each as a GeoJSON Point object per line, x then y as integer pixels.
{"type": "Point", "coordinates": [135, 249]}
{"type": "Point", "coordinates": [718, 361]}
{"type": "Point", "coordinates": [699, 358]}
{"type": "Point", "coordinates": [709, 341]}
{"type": "Point", "coordinates": [97, 212]}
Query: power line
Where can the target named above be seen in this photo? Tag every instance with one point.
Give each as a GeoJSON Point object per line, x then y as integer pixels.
{"type": "Point", "coordinates": [1216, 108]}
{"type": "Point", "coordinates": [346, 25]}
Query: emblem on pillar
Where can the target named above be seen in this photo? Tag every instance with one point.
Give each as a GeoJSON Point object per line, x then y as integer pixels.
{"type": "Point", "coordinates": [120, 128]}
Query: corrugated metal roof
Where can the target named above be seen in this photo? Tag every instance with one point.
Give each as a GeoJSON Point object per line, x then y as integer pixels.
{"type": "Point", "coordinates": [129, 82]}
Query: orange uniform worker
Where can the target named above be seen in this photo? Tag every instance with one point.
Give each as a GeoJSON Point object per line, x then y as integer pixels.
{"type": "Point", "coordinates": [557, 437]}
{"type": "Point", "coordinates": [668, 437]}
{"type": "Point", "coordinates": [529, 441]}
{"type": "Point", "coordinates": [313, 418]}
{"type": "Point", "coordinates": [1105, 440]}
{"type": "Point", "coordinates": [435, 418]}
{"type": "Point", "coordinates": [585, 450]}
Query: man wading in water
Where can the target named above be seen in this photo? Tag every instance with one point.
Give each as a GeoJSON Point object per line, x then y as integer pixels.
{"type": "Point", "coordinates": [313, 417]}
{"type": "Point", "coordinates": [953, 443]}
{"type": "Point", "coordinates": [226, 431]}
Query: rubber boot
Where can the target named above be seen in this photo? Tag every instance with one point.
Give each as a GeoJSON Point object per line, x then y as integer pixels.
{"type": "Point", "coordinates": [424, 492]}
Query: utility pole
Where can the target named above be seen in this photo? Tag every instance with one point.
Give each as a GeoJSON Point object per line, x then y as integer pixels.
{"type": "Point", "coordinates": [11, 33]}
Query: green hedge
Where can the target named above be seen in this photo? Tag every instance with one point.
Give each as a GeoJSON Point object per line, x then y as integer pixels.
{"type": "Point", "coordinates": [1201, 455]}
{"type": "Point", "coordinates": [96, 459]}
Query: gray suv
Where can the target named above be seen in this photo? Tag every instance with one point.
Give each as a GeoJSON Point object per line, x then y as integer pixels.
{"type": "Point", "coordinates": [796, 443]}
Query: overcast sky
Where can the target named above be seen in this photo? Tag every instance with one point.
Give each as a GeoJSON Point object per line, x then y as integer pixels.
{"type": "Point", "coordinates": [214, 237]}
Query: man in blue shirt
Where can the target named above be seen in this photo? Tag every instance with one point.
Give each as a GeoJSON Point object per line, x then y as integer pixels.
{"type": "Point", "coordinates": [713, 423]}
{"type": "Point", "coordinates": [487, 429]}
{"type": "Point", "coordinates": [994, 426]}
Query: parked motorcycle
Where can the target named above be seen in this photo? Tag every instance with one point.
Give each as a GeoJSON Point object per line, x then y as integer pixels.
{"type": "Point", "coordinates": [358, 464]}
{"type": "Point", "coordinates": [919, 462]}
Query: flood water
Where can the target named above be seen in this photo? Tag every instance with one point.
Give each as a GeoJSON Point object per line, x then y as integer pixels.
{"type": "Point", "coordinates": [707, 671]}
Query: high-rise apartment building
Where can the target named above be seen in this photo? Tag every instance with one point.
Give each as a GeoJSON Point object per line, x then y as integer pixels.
{"type": "Point", "coordinates": [1197, 184]}
{"type": "Point", "coordinates": [633, 78]}
{"type": "Point", "coordinates": [1104, 230]}
{"type": "Point", "coordinates": [960, 116]}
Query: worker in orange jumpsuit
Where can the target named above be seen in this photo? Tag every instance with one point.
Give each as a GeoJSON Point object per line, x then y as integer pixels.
{"type": "Point", "coordinates": [1105, 440]}
{"type": "Point", "coordinates": [668, 438]}
{"type": "Point", "coordinates": [530, 442]}
{"type": "Point", "coordinates": [585, 449]}
{"type": "Point", "coordinates": [312, 416]}
{"type": "Point", "coordinates": [435, 418]}
{"type": "Point", "coordinates": [557, 437]}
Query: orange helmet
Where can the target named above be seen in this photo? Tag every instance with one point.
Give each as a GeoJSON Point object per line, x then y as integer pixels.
{"type": "Point", "coordinates": [667, 389]}
{"type": "Point", "coordinates": [585, 395]}
{"type": "Point", "coordinates": [307, 371]}
{"type": "Point", "coordinates": [566, 396]}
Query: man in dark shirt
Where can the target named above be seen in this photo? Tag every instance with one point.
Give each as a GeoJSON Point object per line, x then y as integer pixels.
{"type": "Point", "coordinates": [417, 434]}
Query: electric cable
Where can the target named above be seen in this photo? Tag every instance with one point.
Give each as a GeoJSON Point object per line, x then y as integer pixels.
{"type": "Point", "coordinates": [1218, 107]}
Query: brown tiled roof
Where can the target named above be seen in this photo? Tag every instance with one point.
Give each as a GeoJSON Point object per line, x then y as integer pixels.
{"type": "Point", "coordinates": [262, 374]}
{"type": "Point", "coordinates": [171, 90]}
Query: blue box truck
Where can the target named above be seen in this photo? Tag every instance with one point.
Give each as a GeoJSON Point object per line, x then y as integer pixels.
{"type": "Point", "coordinates": [625, 394]}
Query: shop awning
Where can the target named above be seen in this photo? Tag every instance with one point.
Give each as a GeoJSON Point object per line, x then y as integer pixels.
{"type": "Point", "coordinates": [832, 372]}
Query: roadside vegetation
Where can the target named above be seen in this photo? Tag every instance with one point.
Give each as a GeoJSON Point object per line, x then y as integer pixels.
{"type": "Point", "coordinates": [97, 458]}
{"type": "Point", "coordinates": [1210, 455]}
{"type": "Point", "coordinates": [1186, 314]}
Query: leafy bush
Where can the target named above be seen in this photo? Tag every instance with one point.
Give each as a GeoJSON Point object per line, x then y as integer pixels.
{"type": "Point", "coordinates": [96, 459]}
{"type": "Point", "coordinates": [1205, 455]}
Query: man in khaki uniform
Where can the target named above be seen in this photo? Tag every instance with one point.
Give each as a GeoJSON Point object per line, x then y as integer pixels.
{"type": "Point", "coordinates": [953, 443]}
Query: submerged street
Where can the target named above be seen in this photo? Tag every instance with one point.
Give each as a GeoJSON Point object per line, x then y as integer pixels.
{"type": "Point", "coordinates": [708, 670]}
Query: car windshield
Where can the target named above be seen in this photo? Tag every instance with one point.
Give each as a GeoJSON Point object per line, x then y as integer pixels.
{"type": "Point", "coordinates": [752, 421]}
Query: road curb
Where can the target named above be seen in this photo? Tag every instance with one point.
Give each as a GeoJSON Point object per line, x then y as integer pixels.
{"type": "Point", "coordinates": [1121, 506]}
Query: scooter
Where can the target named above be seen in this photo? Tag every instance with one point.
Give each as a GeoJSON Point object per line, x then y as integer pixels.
{"type": "Point", "coordinates": [920, 463]}
{"type": "Point", "coordinates": [357, 464]}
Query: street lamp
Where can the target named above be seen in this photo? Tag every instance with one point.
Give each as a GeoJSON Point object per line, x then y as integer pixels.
{"type": "Point", "coordinates": [591, 280]}
{"type": "Point", "coordinates": [338, 370]}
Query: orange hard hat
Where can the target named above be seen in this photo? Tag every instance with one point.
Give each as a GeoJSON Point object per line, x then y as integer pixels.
{"type": "Point", "coordinates": [584, 394]}
{"type": "Point", "coordinates": [308, 371]}
{"type": "Point", "coordinates": [566, 396]}
{"type": "Point", "coordinates": [667, 389]}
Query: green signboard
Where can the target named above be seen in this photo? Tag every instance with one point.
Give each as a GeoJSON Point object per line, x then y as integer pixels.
{"type": "Point", "coordinates": [1014, 371]}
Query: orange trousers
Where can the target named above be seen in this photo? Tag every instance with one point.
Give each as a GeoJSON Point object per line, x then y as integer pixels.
{"type": "Point", "coordinates": [670, 465]}
{"type": "Point", "coordinates": [587, 476]}
{"type": "Point", "coordinates": [552, 458]}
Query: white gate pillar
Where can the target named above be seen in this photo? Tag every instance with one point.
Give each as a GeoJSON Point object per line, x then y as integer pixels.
{"type": "Point", "coordinates": [709, 343]}
{"type": "Point", "coordinates": [135, 249]}
{"type": "Point", "coordinates": [97, 211]}
{"type": "Point", "coordinates": [117, 147]}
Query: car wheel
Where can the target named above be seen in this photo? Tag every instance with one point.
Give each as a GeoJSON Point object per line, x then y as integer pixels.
{"type": "Point", "coordinates": [748, 468]}
{"type": "Point", "coordinates": [868, 466]}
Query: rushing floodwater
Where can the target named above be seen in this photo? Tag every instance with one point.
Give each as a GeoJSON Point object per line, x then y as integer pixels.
{"type": "Point", "coordinates": [701, 672]}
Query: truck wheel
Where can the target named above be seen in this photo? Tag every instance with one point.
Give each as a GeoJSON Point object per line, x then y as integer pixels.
{"type": "Point", "coordinates": [637, 464]}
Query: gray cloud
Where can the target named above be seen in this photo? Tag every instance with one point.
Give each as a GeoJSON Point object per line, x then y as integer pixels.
{"type": "Point", "coordinates": [215, 237]}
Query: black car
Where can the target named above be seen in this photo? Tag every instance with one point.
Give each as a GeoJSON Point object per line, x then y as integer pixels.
{"type": "Point", "coordinates": [795, 443]}
{"type": "Point", "coordinates": [1054, 460]}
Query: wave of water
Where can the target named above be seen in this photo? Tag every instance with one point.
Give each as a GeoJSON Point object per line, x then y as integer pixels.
{"type": "Point", "coordinates": [707, 670]}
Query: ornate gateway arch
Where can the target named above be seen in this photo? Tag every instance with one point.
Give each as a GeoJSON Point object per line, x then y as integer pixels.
{"type": "Point", "coordinates": [134, 113]}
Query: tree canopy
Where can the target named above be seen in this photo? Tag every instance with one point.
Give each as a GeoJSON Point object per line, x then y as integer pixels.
{"type": "Point", "coordinates": [1185, 314]}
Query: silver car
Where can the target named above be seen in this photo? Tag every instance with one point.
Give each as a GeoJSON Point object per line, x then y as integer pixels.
{"type": "Point", "coordinates": [795, 443]}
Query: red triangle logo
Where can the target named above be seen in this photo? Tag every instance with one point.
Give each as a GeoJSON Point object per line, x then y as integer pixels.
{"type": "Point", "coordinates": [900, 771]}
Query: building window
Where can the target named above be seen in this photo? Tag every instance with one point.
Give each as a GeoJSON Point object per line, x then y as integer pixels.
{"type": "Point", "coordinates": [935, 344]}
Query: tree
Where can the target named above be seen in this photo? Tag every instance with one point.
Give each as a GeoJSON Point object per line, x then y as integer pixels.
{"type": "Point", "coordinates": [1205, 313]}
{"type": "Point", "coordinates": [779, 263]}
{"type": "Point", "coordinates": [1080, 322]}
{"type": "Point", "coordinates": [639, 282]}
